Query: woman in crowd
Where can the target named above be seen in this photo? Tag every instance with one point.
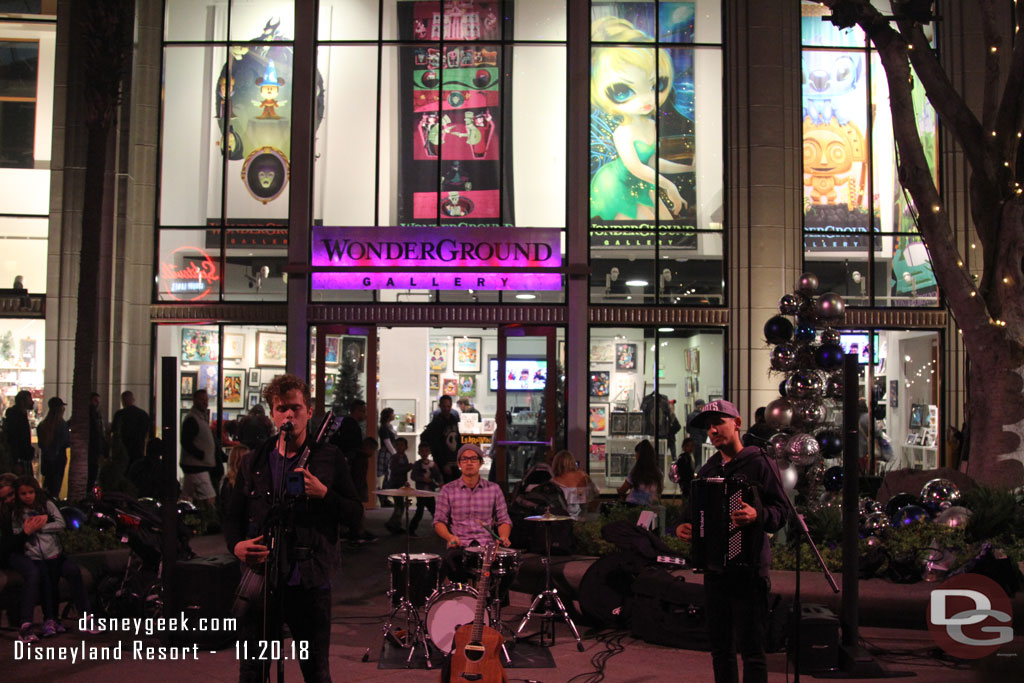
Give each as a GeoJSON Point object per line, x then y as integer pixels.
{"type": "Point", "coordinates": [643, 485]}
{"type": "Point", "coordinates": [54, 438]}
{"type": "Point", "coordinates": [386, 435]}
{"type": "Point", "coordinates": [580, 492]}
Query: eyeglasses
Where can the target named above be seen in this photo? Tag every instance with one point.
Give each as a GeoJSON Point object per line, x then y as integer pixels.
{"type": "Point", "coordinates": [470, 460]}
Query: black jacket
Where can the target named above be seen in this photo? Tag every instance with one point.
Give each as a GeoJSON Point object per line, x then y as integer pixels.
{"type": "Point", "coordinates": [314, 520]}
{"type": "Point", "coordinates": [772, 509]}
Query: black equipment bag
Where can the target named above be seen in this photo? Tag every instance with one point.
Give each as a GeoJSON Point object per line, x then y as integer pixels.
{"type": "Point", "coordinates": [669, 611]}
{"type": "Point", "coordinates": [205, 587]}
{"type": "Point", "coordinates": [606, 590]}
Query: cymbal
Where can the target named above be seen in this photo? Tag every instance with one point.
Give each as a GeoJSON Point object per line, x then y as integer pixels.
{"type": "Point", "coordinates": [407, 492]}
{"type": "Point", "coordinates": [548, 518]}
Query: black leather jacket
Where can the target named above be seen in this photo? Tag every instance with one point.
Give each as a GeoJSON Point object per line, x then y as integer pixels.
{"type": "Point", "coordinates": [312, 542]}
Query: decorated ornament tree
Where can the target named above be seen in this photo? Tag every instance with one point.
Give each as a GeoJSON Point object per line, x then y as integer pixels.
{"type": "Point", "coordinates": [808, 357]}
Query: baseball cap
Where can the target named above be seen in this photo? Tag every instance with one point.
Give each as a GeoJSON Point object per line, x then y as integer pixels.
{"type": "Point", "coordinates": [716, 408]}
{"type": "Point", "coordinates": [54, 402]}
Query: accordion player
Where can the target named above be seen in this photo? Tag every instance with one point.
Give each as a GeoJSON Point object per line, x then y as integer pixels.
{"type": "Point", "coordinates": [718, 542]}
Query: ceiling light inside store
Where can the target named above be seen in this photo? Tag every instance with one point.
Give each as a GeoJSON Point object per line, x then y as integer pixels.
{"type": "Point", "coordinates": [636, 283]}
{"type": "Point", "coordinates": [666, 329]}
{"type": "Point", "coordinates": [526, 297]}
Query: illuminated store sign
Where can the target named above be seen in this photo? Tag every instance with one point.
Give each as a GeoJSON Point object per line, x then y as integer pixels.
{"type": "Point", "coordinates": [476, 250]}
{"type": "Point", "coordinates": [192, 280]}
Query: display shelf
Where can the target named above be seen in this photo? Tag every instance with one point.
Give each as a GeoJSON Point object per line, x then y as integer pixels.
{"type": "Point", "coordinates": [921, 457]}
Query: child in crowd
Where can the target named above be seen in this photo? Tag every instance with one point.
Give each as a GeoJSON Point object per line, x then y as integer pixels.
{"type": "Point", "coordinates": [41, 521]}
{"type": "Point", "coordinates": [398, 471]}
{"type": "Point", "coordinates": [427, 477]}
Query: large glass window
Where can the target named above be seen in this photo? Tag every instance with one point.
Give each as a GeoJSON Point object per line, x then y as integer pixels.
{"type": "Point", "coordinates": [19, 74]}
{"type": "Point", "coordinates": [656, 173]}
{"type": "Point", "coordinates": [642, 384]}
{"type": "Point", "coordinates": [860, 226]}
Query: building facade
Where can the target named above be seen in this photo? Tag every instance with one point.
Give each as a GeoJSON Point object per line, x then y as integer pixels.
{"type": "Point", "coordinates": [659, 158]}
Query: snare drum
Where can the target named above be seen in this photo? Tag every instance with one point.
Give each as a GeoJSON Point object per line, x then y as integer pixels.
{"type": "Point", "coordinates": [504, 568]}
{"type": "Point", "coordinates": [421, 570]}
{"type": "Point", "coordinates": [447, 609]}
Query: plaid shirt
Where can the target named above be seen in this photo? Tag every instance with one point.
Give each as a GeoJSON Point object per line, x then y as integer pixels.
{"type": "Point", "coordinates": [463, 508]}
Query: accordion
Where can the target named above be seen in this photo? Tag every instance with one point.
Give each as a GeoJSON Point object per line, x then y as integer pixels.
{"type": "Point", "coordinates": [717, 542]}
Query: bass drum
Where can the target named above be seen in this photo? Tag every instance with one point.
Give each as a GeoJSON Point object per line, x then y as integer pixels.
{"type": "Point", "coordinates": [447, 610]}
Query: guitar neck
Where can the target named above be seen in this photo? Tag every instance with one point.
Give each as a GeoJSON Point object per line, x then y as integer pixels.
{"type": "Point", "coordinates": [481, 604]}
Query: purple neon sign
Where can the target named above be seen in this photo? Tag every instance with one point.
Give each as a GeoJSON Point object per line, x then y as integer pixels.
{"type": "Point", "coordinates": [451, 249]}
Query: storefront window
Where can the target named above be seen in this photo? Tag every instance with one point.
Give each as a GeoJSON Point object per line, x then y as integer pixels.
{"type": "Point", "coordinates": [854, 205]}
{"type": "Point", "coordinates": [642, 384]}
{"type": "Point", "coordinates": [667, 198]}
{"type": "Point", "coordinates": [23, 253]}
{"type": "Point", "coordinates": [22, 356]}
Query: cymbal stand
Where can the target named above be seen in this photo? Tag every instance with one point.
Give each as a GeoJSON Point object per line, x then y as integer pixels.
{"type": "Point", "coordinates": [552, 604]}
{"type": "Point", "coordinates": [415, 627]}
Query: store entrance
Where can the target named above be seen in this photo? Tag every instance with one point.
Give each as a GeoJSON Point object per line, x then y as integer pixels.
{"type": "Point", "coordinates": [504, 382]}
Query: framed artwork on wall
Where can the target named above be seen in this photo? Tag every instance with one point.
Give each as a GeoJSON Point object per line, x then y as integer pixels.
{"type": "Point", "coordinates": [253, 400]}
{"type": "Point", "coordinates": [233, 396]}
{"type": "Point", "coordinates": [188, 384]}
{"type": "Point", "coordinates": [208, 380]}
{"type": "Point", "coordinates": [234, 346]}
{"type": "Point", "coordinates": [625, 357]}
{"type": "Point", "coordinates": [199, 345]}
{"type": "Point", "coordinates": [635, 424]}
{"type": "Point", "coordinates": [438, 356]}
{"type": "Point", "coordinates": [353, 352]}
{"type": "Point", "coordinates": [271, 348]}
{"type": "Point", "coordinates": [27, 351]}
{"type": "Point", "coordinates": [254, 378]}
{"type": "Point", "coordinates": [332, 349]}
{"type": "Point", "coordinates": [467, 355]}
{"type": "Point", "coordinates": [602, 352]}
{"type": "Point", "coordinates": [617, 423]}
{"type": "Point", "coordinates": [598, 422]}
{"type": "Point", "coordinates": [449, 386]}
{"type": "Point", "coordinates": [599, 381]}
{"type": "Point", "coordinates": [467, 385]}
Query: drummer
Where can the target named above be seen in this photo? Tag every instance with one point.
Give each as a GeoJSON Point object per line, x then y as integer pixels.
{"type": "Point", "coordinates": [467, 509]}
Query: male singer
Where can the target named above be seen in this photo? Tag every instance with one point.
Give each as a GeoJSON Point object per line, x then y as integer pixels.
{"type": "Point", "coordinates": [466, 509]}
{"type": "Point", "coordinates": [737, 598]}
{"type": "Point", "coordinates": [309, 504]}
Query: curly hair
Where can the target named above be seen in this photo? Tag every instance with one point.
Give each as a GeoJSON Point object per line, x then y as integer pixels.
{"type": "Point", "coordinates": [283, 384]}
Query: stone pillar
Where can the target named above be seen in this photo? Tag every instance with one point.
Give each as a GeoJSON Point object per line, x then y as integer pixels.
{"type": "Point", "coordinates": [763, 185]}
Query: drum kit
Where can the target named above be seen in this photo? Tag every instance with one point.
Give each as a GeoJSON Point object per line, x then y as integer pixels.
{"type": "Point", "coordinates": [433, 612]}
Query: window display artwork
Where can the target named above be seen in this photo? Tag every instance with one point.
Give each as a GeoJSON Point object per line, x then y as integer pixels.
{"type": "Point", "coordinates": [599, 383]}
{"type": "Point", "coordinates": [353, 351]}
{"type": "Point", "coordinates": [629, 87]}
{"type": "Point", "coordinates": [208, 380]}
{"type": "Point", "coordinates": [253, 95]}
{"type": "Point", "coordinates": [233, 389]}
{"type": "Point", "coordinates": [617, 423]}
{"type": "Point", "coordinates": [597, 451]}
{"type": "Point", "coordinates": [438, 356]}
{"type": "Point", "coordinates": [625, 357]}
{"type": "Point", "coordinates": [254, 378]}
{"type": "Point", "coordinates": [598, 422]}
{"type": "Point", "coordinates": [602, 352]}
{"type": "Point", "coordinates": [451, 116]}
{"type": "Point", "coordinates": [271, 348]}
{"type": "Point", "coordinates": [188, 385]}
{"type": "Point", "coordinates": [449, 386]}
{"type": "Point", "coordinates": [199, 345]}
{"type": "Point", "coordinates": [467, 355]}
{"type": "Point", "coordinates": [234, 346]}
{"type": "Point", "coordinates": [467, 385]}
{"type": "Point", "coordinates": [435, 382]}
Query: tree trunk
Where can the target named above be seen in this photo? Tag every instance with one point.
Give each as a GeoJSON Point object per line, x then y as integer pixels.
{"type": "Point", "coordinates": [995, 417]}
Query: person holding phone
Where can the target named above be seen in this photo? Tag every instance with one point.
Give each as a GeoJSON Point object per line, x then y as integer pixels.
{"type": "Point", "coordinates": [311, 502]}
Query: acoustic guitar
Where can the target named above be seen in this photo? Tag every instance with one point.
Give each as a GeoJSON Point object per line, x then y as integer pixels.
{"type": "Point", "coordinates": [476, 652]}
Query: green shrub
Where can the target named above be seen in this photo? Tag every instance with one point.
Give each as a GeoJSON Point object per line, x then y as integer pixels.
{"type": "Point", "coordinates": [88, 539]}
{"type": "Point", "coordinates": [995, 514]}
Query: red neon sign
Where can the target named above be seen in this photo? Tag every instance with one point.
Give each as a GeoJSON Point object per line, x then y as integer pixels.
{"type": "Point", "coordinates": [192, 281]}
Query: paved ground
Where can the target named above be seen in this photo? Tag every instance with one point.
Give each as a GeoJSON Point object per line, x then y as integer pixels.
{"type": "Point", "coordinates": [360, 606]}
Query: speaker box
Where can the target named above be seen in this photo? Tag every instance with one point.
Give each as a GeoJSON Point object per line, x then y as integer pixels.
{"type": "Point", "coordinates": [205, 587]}
{"type": "Point", "coordinates": [819, 639]}
{"type": "Point", "coordinates": [668, 611]}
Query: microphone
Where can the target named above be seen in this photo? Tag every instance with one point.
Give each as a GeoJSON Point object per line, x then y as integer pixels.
{"type": "Point", "coordinates": [288, 428]}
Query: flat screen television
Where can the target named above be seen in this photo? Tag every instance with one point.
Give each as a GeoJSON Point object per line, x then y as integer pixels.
{"type": "Point", "coordinates": [858, 343]}
{"type": "Point", "coordinates": [521, 374]}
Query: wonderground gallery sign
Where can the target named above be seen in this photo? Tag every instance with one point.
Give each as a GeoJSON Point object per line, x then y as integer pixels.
{"type": "Point", "coordinates": [461, 258]}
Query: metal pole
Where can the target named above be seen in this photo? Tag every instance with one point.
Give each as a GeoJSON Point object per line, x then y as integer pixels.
{"type": "Point", "coordinates": [169, 478]}
{"type": "Point", "coordinates": [849, 618]}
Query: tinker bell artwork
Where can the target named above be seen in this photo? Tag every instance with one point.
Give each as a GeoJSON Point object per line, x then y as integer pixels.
{"type": "Point", "coordinates": [450, 137]}
{"type": "Point", "coordinates": [642, 109]}
{"type": "Point", "coordinates": [253, 111]}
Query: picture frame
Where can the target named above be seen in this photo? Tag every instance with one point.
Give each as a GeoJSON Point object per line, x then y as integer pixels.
{"type": "Point", "coordinates": [467, 354]}
{"type": "Point", "coordinates": [696, 359]}
{"type": "Point", "coordinates": [438, 356]}
{"type": "Point", "coordinates": [329, 379]}
{"type": "Point", "coordinates": [188, 384]}
{"type": "Point", "coordinates": [353, 351]}
{"type": "Point", "coordinates": [602, 351]}
{"type": "Point", "coordinates": [434, 382]}
{"type": "Point", "coordinates": [625, 357]}
{"type": "Point", "coordinates": [199, 345]}
{"type": "Point", "coordinates": [597, 452]}
{"type": "Point", "coordinates": [598, 419]}
{"type": "Point", "coordinates": [449, 386]}
{"type": "Point", "coordinates": [617, 423]}
{"type": "Point", "coordinates": [911, 438]}
{"type": "Point", "coordinates": [332, 349]}
{"type": "Point", "coordinates": [209, 380]}
{"type": "Point", "coordinates": [254, 378]}
{"type": "Point", "coordinates": [27, 351]}
{"type": "Point", "coordinates": [233, 388]}
{"type": "Point", "coordinates": [599, 383]}
{"type": "Point", "coordinates": [271, 348]}
{"type": "Point", "coordinates": [467, 386]}
{"type": "Point", "coordinates": [234, 346]}
{"type": "Point", "coordinates": [252, 400]}
{"type": "Point", "coordinates": [635, 423]}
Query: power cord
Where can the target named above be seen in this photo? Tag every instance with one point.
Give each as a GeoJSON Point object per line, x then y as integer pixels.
{"type": "Point", "coordinates": [612, 646]}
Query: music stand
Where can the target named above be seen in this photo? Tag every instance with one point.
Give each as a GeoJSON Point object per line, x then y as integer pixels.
{"type": "Point", "coordinates": [554, 607]}
{"type": "Point", "coordinates": [415, 627]}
